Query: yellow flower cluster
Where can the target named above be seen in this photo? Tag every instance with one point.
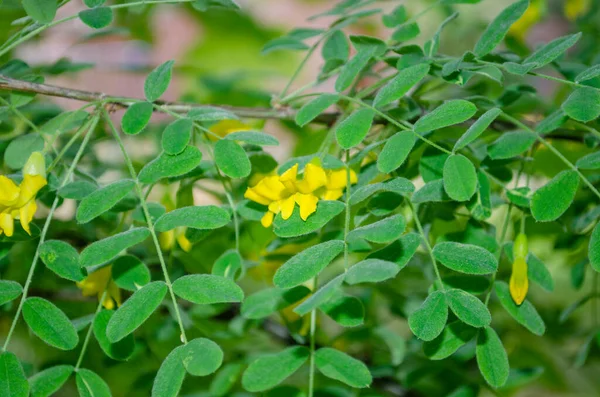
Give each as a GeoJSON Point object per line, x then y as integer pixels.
{"type": "Point", "coordinates": [281, 193]}
{"type": "Point", "coordinates": [18, 202]}
{"type": "Point", "coordinates": [97, 282]}
{"type": "Point", "coordinates": [518, 279]}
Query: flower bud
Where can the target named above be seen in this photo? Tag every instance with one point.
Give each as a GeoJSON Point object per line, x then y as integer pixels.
{"type": "Point", "coordinates": [520, 249]}
{"type": "Point", "coordinates": [35, 165]}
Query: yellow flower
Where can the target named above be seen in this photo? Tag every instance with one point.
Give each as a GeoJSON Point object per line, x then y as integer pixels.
{"type": "Point", "coordinates": [531, 16]}
{"type": "Point", "coordinates": [575, 8]}
{"type": "Point", "coordinates": [97, 282]}
{"type": "Point", "coordinates": [282, 192]}
{"type": "Point", "coordinates": [519, 284]}
{"type": "Point", "coordinates": [225, 127]}
{"type": "Point", "coordinates": [18, 202]}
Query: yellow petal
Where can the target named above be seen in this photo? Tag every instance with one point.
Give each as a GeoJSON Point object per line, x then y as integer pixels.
{"type": "Point", "coordinates": [96, 282]}
{"type": "Point", "coordinates": [518, 281]}
{"type": "Point", "coordinates": [225, 127]}
{"type": "Point", "coordinates": [288, 178]}
{"type": "Point", "coordinates": [287, 207]}
{"type": "Point", "coordinates": [114, 292]}
{"type": "Point", "coordinates": [251, 194]}
{"type": "Point", "coordinates": [275, 207]}
{"type": "Point", "coordinates": [267, 219]}
{"type": "Point", "coordinates": [270, 188]}
{"type": "Point", "coordinates": [575, 8]}
{"type": "Point", "coordinates": [9, 192]}
{"type": "Point", "coordinates": [30, 186]}
{"type": "Point", "coordinates": [166, 240]}
{"type": "Point", "coordinates": [332, 194]}
{"type": "Point", "coordinates": [307, 204]}
{"type": "Point", "coordinates": [314, 178]}
{"type": "Point", "coordinates": [7, 225]}
{"type": "Point", "coordinates": [183, 242]}
{"type": "Point", "coordinates": [336, 179]}
{"type": "Point", "coordinates": [26, 214]}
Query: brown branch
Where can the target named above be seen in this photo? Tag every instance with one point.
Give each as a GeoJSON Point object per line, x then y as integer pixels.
{"type": "Point", "coordinates": [284, 113]}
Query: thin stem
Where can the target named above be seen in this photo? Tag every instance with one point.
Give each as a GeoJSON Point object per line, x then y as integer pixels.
{"type": "Point", "coordinates": [88, 335]}
{"type": "Point", "coordinates": [347, 215]}
{"type": "Point", "coordinates": [313, 331]}
{"type": "Point", "coordinates": [36, 256]}
{"type": "Point", "coordinates": [310, 51]}
{"type": "Point", "coordinates": [427, 244]}
{"type": "Point", "coordinates": [553, 150]}
{"type": "Point", "coordinates": [500, 251]}
{"type": "Point", "coordinates": [144, 205]}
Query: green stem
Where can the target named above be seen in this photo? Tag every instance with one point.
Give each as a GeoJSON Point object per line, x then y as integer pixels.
{"type": "Point", "coordinates": [310, 51]}
{"type": "Point", "coordinates": [313, 331]}
{"type": "Point", "coordinates": [347, 215]}
{"type": "Point", "coordinates": [36, 256]}
{"type": "Point", "coordinates": [144, 205]}
{"type": "Point", "coordinates": [88, 335]}
{"type": "Point", "coordinates": [500, 251]}
{"type": "Point", "coordinates": [427, 244]}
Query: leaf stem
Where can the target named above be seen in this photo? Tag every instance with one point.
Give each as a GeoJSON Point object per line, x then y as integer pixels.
{"type": "Point", "coordinates": [427, 244]}
{"type": "Point", "coordinates": [88, 335]}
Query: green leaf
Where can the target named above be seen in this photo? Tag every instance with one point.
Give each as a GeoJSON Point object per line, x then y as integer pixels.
{"type": "Point", "coordinates": [345, 310]}
{"type": "Point", "coordinates": [465, 258]}
{"type": "Point", "coordinates": [354, 129]}
{"type": "Point", "coordinates": [428, 321]}
{"type": "Point", "coordinates": [383, 231]}
{"type": "Point", "coordinates": [93, 3]}
{"type": "Point", "coordinates": [167, 166]}
{"type": "Point", "coordinates": [42, 11]}
{"type": "Point", "coordinates": [550, 201]}
{"type": "Point", "coordinates": [335, 47]}
{"type": "Point", "coordinates": [295, 226]}
{"type": "Point", "coordinates": [400, 251]}
{"type": "Point", "coordinates": [77, 190]}
{"type": "Point", "coordinates": [481, 206]}
{"type": "Point", "coordinates": [136, 117]}
{"type": "Point", "coordinates": [9, 290]}
{"type": "Point", "coordinates": [49, 381]}
{"type": "Point", "coordinates": [176, 136]}
{"type": "Point", "coordinates": [130, 273]}
{"type": "Point", "coordinates": [307, 264]}
{"type": "Point", "coordinates": [431, 192]}
{"type": "Point", "coordinates": [406, 32]}
{"type": "Point", "coordinates": [468, 308]}
{"type": "Point", "coordinates": [89, 384]}
{"type": "Point", "coordinates": [552, 50]}
{"type": "Point", "coordinates": [310, 110]}
{"type": "Point", "coordinates": [525, 314]}
{"type": "Point", "coordinates": [120, 350]}
{"type": "Point", "coordinates": [62, 259]}
{"type": "Point", "coordinates": [371, 271]}
{"type": "Point", "coordinates": [337, 365]}
{"type": "Point", "coordinates": [495, 32]}
{"type": "Point", "coordinates": [102, 200]}
{"type": "Point", "coordinates": [201, 357]}
{"type": "Point", "coordinates": [396, 151]}
{"type": "Point", "coordinates": [232, 159]}
{"type": "Point", "coordinates": [267, 301]}
{"type": "Point", "coordinates": [270, 370]}
{"type": "Point", "coordinates": [460, 177]}
{"type": "Point", "coordinates": [204, 289]}
{"type": "Point", "coordinates": [228, 264]}
{"type": "Point", "coordinates": [401, 186]}
{"type": "Point", "coordinates": [105, 250]}
{"type": "Point", "coordinates": [453, 337]}
{"type": "Point", "coordinates": [449, 113]}
{"type": "Point", "coordinates": [13, 382]}
{"type": "Point", "coordinates": [351, 69]}
{"type": "Point", "coordinates": [225, 379]}
{"type": "Point", "coordinates": [210, 113]}
{"type": "Point", "coordinates": [135, 311]}
{"type": "Point", "coordinates": [170, 375]}
{"type": "Point", "coordinates": [19, 149]}
{"type": "Point", "coordinates": [594, 248]}
{"type": "Point", "coordinates": [589, 162]}
{"type": "Point", "coordinates": [284, 43]}
{"type": "Point", "coordinates": [257, 138]}
{"type": "Point", "coordinates": [206, 217]}
{"type": "Point", "coordinates": [158, 81]}
{"type": "Point", "coordinates": [552, 122]}
{"type": "Point", "coordinates": [400, 84]}
{"type": "Point", "coordinates": [477, 128]}
{"type": "Point", "coordinates": [588, 74]}
{"type": "Point", "coordinates": [583, 104]}
{"type": "Point", "coordinates": [97, 18]}
{"type": "Point", "coordinates": [491, 357]}
{"type": "Point", "coordinates": [511, 144]}
{"type": "Point", "coordinates": [321, 296]}
{"type": "Point", "coordinates": [50, 324]}
{"type": "Point", "coordinates": [395, 343]}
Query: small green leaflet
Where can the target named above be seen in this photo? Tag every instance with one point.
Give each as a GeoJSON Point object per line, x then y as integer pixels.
{"type": "Point", "coordinates": [50, 380]}
{"type": "Point", "coordinates": [495, 32]}
{"type": "Point", "coordinates": [353, 130]}
{"type": "Point", "coordinates": [383, 231]}
{"type": "Point", "coordinates": [42, 11]}
{"type": "Point", "coordinates": [77, 190]}
{"type": "Point", "coordinates": [105, 250]}
{"type": "Point", "coordinates": [345, 310]}
{"type": "Point", "coordinates": [401, 186]}
{"type": "Point", "coordinates": [283, 43]}
{"type": "Point", "coordinates": [166, 166]}
{"type": "Point", "coordinates": [449, 113]}
{"type": "Point", "coordinates": [170, 375]}
{"type": "Point", "coordinates": [9, 290]}
{"type": "Point", "coordinates": [453, 337]}
{"type": "Point", "coordinates": [136, 117]}
{"type": "Point", "coordinates": [228, 264]}
{"type": "Point", "coordinates": [371, 271]}
{"type": "Point", "coordinates": [97, 18]}
{"type": "Point", "coordinates": [351, 69]}
{"type": "Point", "coordinates": [465, 258]}
{"type": "Point", "coordinates": [13, 382]}
{"type": "Point", "coordinates": [210, 113]}
{"type": "Point", "coordinates": [399, 85]}
{"type": "Point", "coordinates": [525, 314]}
{"type": "Point", "coordinates": [176, 136]}
{"type": "Point", "coordinates": [338, 365]}
{"type": "Point", "coordinates": [511, 144]}
{"type": "Point", "coordinates": [19, 150]}
{"type": "Point", "coordinates": [428, 321]}
{"type": "Point", "coordinates": [295, 226]}
{"type": "Point", "coordinates": [320, 297]}
{"type": "Point", "coordinates": [395, 343]}
{"type": "Point", "coordinates": [477, 128]}
{"type": "Point", "coordinates": [468, 308]}
{"type": "Point", "coordinates": [583, 104]}
{"type": "Point", "coordinates": [336, 47]}
{"type": "Point", "coordinates": [135, 311]}
{"type": "Point", "coordinates": [550, 201]}
{"type": "Point", "coordinates": [309, 111]}
{"type": "Point", "coordinates": [201, 357]}
{"type": "Point", "coordinates": [267, 301]}
{"type": "Point", "coordinates": [158, 81]}
{"type": "Point", "coordinates": [204, 289]}
{"type": "Point", "coordinates": [588, 74]}
{"type": "Point", "coordinates": [257, 138]}
{"type": "Point", "coordinates": [102, 200]}
{"type": "Point", "coordinates": [50, 324]}
{"type": "Point", "coordinates": [130, 273]}
{"type": "Point", "coordinates": [89, 384]}
{"type": "Point", "coordinates": [589, 162]}
{"type": "Point", "coordinates": [206, 217]}
{"type": "Point", "coordinates": [594, 248]}
{"type": "Point", "coordinates": [460, 177]}
{"type": "Point", "coordinates": [307, 264]}
{"type": "Point", "coordinates": [431, 192]}
{"type": "Point", "coordinates": [62, 259]}
{"type": "Point", "coordinates": [491, 357]}
{"type": "Point", "coordinates": [232, 159]}
{"type": "Point", "coordinates": [93, 3]}
{"type": "Point", "coordinates": [120, 350]}
{"type": "Point", "coordinates": [270, 370]}
{"type": "Point", "coordinates": [396, 151]}
{"type": "Point", "coordinates": [552, 50]}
